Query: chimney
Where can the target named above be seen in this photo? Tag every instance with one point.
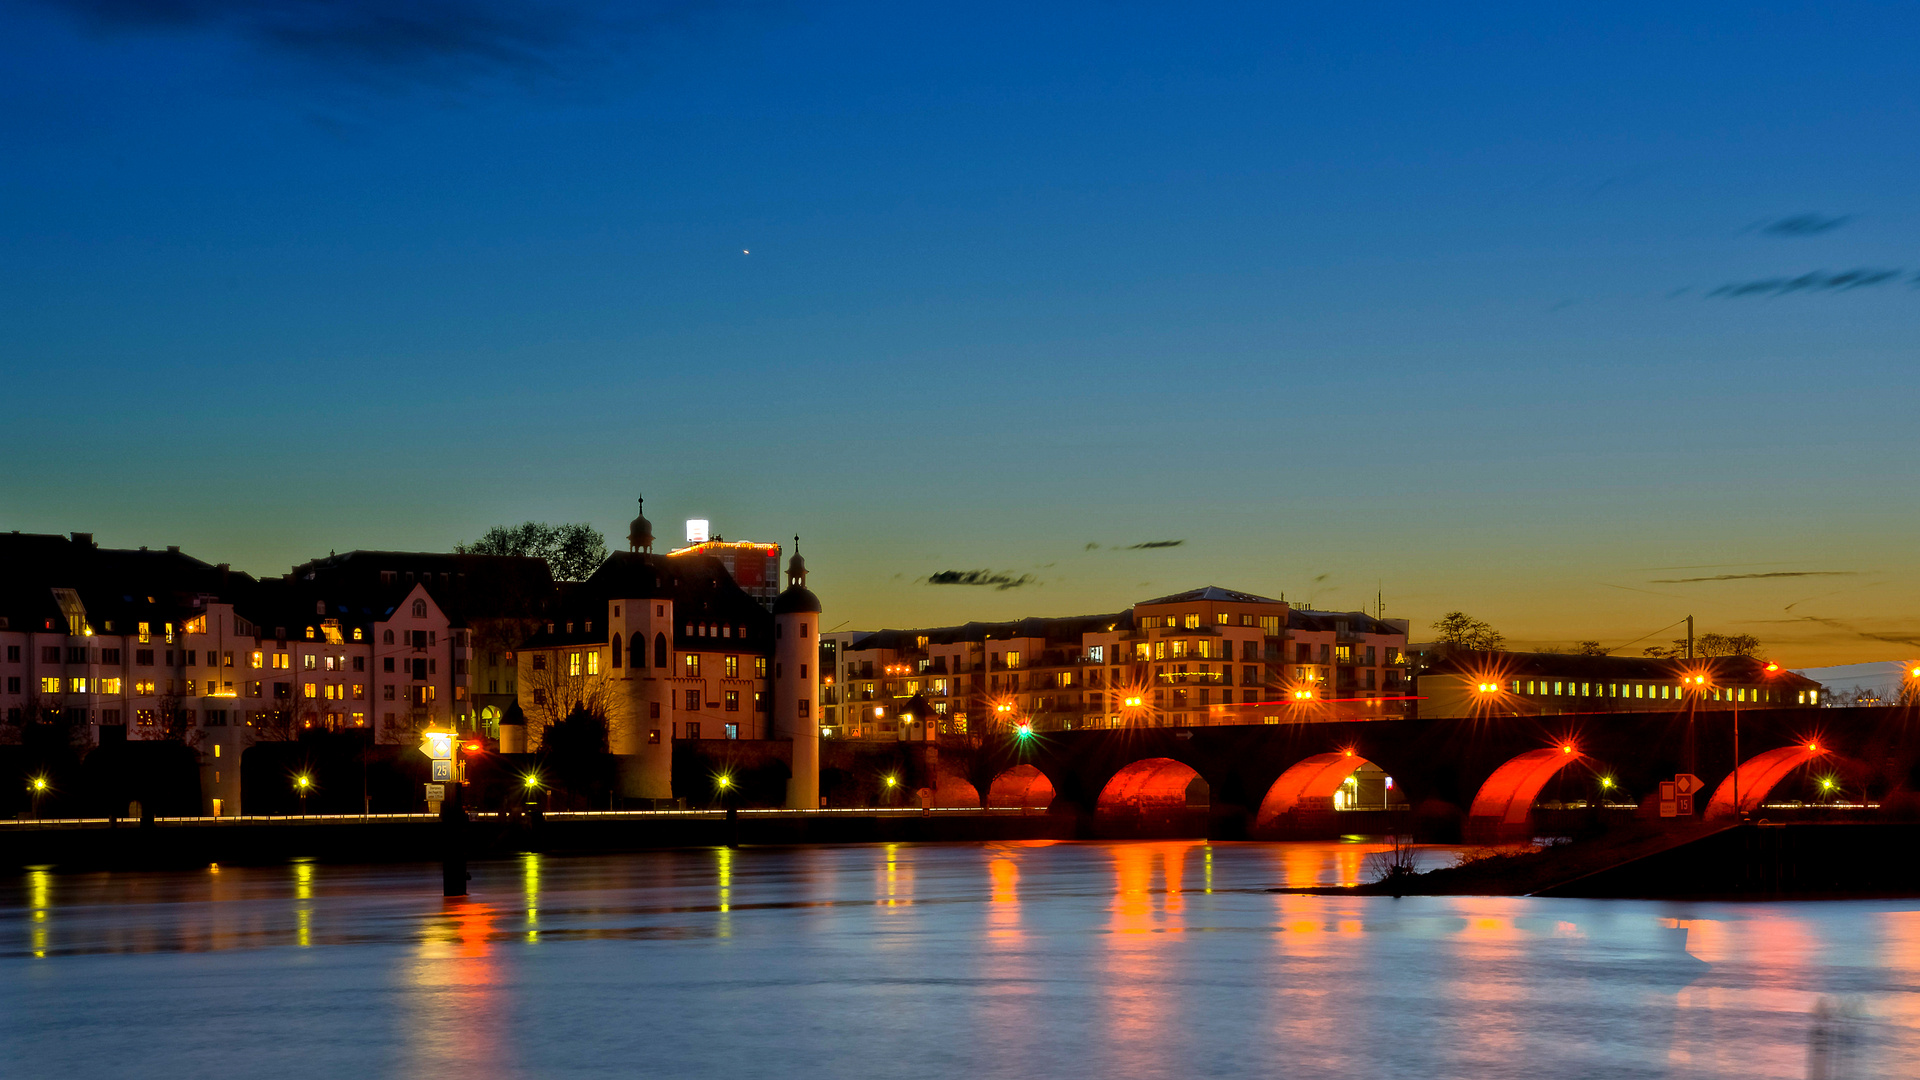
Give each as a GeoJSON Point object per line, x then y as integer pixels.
{"type": "Point", "coordinates": [83, 539]}
{"type": "Point", "coordinates": [173, 549]}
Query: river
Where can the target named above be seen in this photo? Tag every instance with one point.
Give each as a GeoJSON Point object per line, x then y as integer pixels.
{"type": "Point", "coordinates": [939, 961]}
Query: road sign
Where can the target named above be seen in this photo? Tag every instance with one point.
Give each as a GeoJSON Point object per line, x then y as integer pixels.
{"type": "Point", "coordinates": [442, 770]}
{"type": "Point", "coordinates": [1669, 799]}
{"type": "Point", "coordinates": [436, 792]}
{"type": "Point", "coordinates": [1686, 784]}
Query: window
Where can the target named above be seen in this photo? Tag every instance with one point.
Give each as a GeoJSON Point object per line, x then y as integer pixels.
{"type": "Point", "coordinates": [1179, 649]}
{"type": "Point", "coordinates": [690, 665]}
{"type": "Point", "coordinates": [539, 662]}
{"type": "Point", "coordinates": [759, 702]}
{"type": "Point", "coordinates": [13, 684]}
{"type": "Point", "coordinates": [52, 686]}
{"type": "Point", "coordinates": [616, 640]}
{"type": "Point", "coordinates": [1013, 660]}
{"type": "Point", "coordinates": [593, 663]}
{"type": "Point", "coordinates": [691, 701]}
{"type": "Point", "coordinates": [109, 686]}
{"type": "Point", "coordinates": [573, 663]}
{"type": "Point", "coordinates": [145, 634]}
{"type": "Point", "coordinates": [359, 663]}
{"type": "Point", "coordinates": [806, 708]}
{"type": "Point", "coordinates": [255, 660]}
{"type": "Point", "coordinates": [386, 637]}
{"type": "Point", "coordinates": [283, 660]}
{"type": "Point", "coordinates": [659, 650]}
{"type": "Point", "coordinates": [308, 661]}
{"type": "Point", "coordinates": [693, 729]}
{"type": "Point", "coordinates": [733, 731]}
{"type": "Point", "coordinates": [732, 700]}
{"type": "Point", "coordinates": [733, 667]}
{"type": "Point", "coordinates": [419, 609]}
{"type": "Point", "coordinates": [386, 692]}
{"type": "Point", "coordinates": [13, 654]}
{"type": "Point", "coordinates": [653, 734]}
{"type": "Point", "coordinates": [759, 667]}
{"type": "Point", "coordinates": [1191, 621]}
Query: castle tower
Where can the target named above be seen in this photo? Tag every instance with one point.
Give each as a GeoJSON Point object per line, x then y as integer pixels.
{"type": "Point", "coordinates": [796, 681]}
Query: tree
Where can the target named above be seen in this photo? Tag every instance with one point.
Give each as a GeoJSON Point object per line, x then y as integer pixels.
{"type": "Point", "coordinates": [1588, 648]}
{"type": "Point", "coordinates": [173, 721]}
{"type": "Point", "coordinates": [1709, 645]}
{"type": "Point", "coordinates": [1459, 628]}
{"type": "Point", "coordinates": [572, 551]}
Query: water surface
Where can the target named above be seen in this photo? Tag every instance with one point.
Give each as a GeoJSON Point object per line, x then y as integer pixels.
{"type": "Point", "coordinates": [937, 961]}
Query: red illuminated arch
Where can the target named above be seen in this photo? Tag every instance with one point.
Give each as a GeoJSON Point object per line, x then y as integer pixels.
{"type": "Point", "coordinates": [1019, 787]}
{"type": "Point", "coordinates": [956, 792]}
{"type": "Point", "coordinates": [1759, 775]}
{"type": "Point", "coordinates": [1152, 797]}
{"type": "Point", "coordinates": [1500, 811]}
{"type": "Point", "coordinates": [1308, 785]}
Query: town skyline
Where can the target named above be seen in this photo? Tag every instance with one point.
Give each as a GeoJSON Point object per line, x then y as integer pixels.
{"type": "Point", "coordinates": [859, 600]}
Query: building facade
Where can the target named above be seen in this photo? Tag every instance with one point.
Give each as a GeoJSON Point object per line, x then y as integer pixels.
{"type": "Point", "coordinates": [1205, 657]}
{"type": "Point", "coordinates": [1463, 683]}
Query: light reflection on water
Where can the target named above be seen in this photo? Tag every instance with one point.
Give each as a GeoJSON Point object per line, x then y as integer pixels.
{"type": "Point", "coordinates": [994, 960]}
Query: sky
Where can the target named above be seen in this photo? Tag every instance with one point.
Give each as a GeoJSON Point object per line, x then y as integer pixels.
{"type": "Point", "coordinates": [1581, 319]}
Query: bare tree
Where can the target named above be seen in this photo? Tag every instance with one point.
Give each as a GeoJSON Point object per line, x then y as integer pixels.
{"type": "Point", "coordinates": [1588, 648]}
{"type": "Point", "coordinates": [1709, 645]}
{"type": "Point", "coordinates": [572, 551]}
{"type": "Point", "coordinates": [1459, 628]}
{"type": "Point", "coordinates": [550, 696]}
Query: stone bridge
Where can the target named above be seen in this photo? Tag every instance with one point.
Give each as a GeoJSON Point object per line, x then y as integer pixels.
{"type": "Point", "coordinates": [1476, 779]}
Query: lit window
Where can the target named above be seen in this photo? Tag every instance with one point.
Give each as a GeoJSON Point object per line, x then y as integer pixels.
{"type": "Point", "coordinates": [593, 663]}
{"type": "Point", "coordinates": [1192, 621]}
{"type": "Point", "coordinates": [109, 686]}
{"type": "Point", "coordinates": [690, 665]}
{"type": "Point", "coordinates": [146, 633]}
{"type": "Point", "coordinates": [76, 686]}
{"type": "Point", "coordinates": [573, 663]}
{"type": "Point", "coordinates": [733, 667]}
{"type": "Point", "coordinates": [255, 660]}
{"type": "Point", "coordinates": [1013, 660]}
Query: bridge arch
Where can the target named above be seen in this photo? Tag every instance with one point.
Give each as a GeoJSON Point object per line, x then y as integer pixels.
{"type": "Point", "coordinates": [1503, 807]}
{"type": "Point", "coordinates": [1020, 787]}
{"type": "Point", "coordinates": [1153, 797]}
{"type": "Point", "coordinates": [955, 792]}
{"type": "Point", "coordinates": [1307, 787]}
{"type": "Point", "coordinates": [1759, 775]}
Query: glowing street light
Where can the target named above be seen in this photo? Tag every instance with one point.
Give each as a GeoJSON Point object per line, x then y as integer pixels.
{"type": "Point", "coordinates": [37, 785]}
{"type": "Point", "coordinates": [303, 784]}
{"type": "Point", "coordinates": [1024, 731]}
{"type": "Point", "coordinates": [723, 781]}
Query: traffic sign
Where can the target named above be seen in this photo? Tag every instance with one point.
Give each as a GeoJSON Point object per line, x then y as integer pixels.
{"type": "Point", "coordinates": [436, 792]}
{"type": "Point", "coordinates": [442, 770]}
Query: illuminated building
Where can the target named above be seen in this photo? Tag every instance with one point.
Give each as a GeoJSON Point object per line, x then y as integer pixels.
{"type": "Point", "coordinates": [754, 566]}
{"type": "Point", "coordinates": [1462, 683]}
{"type": "Point", "coordinates": [670, 647]}
{"type": "Point", "coordinates": [1204, 657]}
{"type": "Point", "coordinates": [139, 644]}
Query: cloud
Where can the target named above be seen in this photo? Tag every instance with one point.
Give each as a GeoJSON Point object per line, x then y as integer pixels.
{"type": "Point", "coordinates": [1092, 547]}
{"type": "Point", "coordinates": [994, 578]}
{"type": "Point", "coordinates": [1804, 225]}
{"type": "Point", "coordinates": [1149, 545]}
{"type": "Point", "coordinates": [1754, 577]}
{"type": "Point", "coordinates": [1813, 281]}
{"type": "Point", "coordinates": [396, 41]}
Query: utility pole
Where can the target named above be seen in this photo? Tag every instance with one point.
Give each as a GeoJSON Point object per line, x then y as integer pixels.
{"type": "Point", "coordinates": [1689, 637]}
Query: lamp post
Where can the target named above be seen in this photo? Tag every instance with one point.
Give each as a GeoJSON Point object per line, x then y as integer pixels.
{"type": "Point", "coordinates": [302, 784]}
{"type": "Point", "coordinates": [38, 786]}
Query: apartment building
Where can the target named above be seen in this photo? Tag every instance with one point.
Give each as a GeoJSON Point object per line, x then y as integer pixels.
{"type": "Point", "coordinates": [1203, 657]}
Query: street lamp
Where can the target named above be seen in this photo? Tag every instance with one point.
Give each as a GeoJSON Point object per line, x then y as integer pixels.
{"type": "Point", "coordinates": [302, 784]}
{"type": "Point", "coordinates": [37, 785]}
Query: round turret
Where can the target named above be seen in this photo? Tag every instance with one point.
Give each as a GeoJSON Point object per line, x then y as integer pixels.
{"type": "Point", "coordinates": [640, 533]}
{"type": "Point", "coordinates": [797, 597]}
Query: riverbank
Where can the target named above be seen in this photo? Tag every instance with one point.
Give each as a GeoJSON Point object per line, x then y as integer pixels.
{"type": "Point", "coordinates": [186, 842]}
{"type": "Point", "coordinates": [1756, 861]}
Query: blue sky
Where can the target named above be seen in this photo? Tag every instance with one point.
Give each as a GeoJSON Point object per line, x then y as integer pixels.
{"type": "Point", "coordinates": [1369, 299]}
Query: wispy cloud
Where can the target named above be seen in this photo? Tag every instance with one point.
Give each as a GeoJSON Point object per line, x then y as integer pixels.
{"type": "Point", "coordinates": [1813, 281]}
{"type": "Point", "coordinates": [1756, 577]}
{"type": "Point", "coordinates": [396, 42]}
{"type": "Point", "coordinates": [1151, 544]}
{"type": "Point", "coordinates": [1804, 224]}
{"type": "Point", "coordinates": [995, 578]}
